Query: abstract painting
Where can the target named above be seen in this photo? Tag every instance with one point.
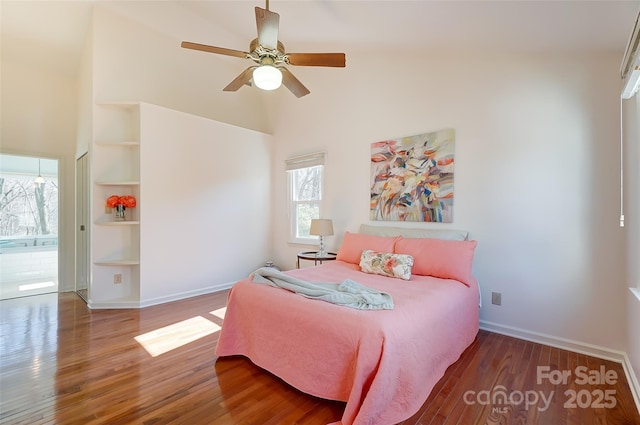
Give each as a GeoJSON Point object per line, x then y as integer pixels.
{"type": "Point", "coordinates": [412, 178]}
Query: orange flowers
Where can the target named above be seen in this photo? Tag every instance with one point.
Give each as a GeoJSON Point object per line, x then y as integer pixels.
{"type": "Point", "coordinates": [127, 201]}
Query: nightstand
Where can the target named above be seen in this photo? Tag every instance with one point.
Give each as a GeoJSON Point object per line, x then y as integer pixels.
{"type": "Point", "coordinates": [313, 256]}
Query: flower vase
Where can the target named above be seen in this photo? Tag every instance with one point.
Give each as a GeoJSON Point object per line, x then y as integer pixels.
{"type": "Point", "coordinates": [120, 213]}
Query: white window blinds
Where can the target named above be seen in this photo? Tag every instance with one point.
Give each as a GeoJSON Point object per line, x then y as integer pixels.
{"type": "Point", "coordinates": [304, 161]}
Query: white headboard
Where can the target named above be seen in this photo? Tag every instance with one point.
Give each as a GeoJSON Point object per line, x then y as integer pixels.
{"type": "Point", "coordinates": [406, 232]}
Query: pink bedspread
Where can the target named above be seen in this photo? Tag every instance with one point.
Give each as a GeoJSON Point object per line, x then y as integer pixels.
{"type": "Point", "coordinates": [383, 363]}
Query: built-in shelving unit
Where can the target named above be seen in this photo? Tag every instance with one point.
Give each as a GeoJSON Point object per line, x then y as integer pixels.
{"type": "Point", "coordinates": [115, 244]}
{"type": "Point", "coordinates": [163, 250]}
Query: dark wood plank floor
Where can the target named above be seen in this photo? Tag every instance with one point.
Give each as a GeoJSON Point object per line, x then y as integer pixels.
{"type": "Point", "coordinates": [64, 364]}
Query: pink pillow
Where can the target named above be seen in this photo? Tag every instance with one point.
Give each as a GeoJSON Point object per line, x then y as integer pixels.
{"type": "Point", "coordinates": [354, 243]}
{"type": "Point", "coordinates": [440, 258]}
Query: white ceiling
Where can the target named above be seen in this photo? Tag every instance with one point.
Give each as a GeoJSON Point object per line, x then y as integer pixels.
{"type": "Point", "coordinates": [51, 33]}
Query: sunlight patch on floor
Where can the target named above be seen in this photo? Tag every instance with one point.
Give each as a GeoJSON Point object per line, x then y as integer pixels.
{"type": "Point", "coordinates": [219, 312]}
{"type": "Point", "coordinates": [38, 285]}
{"type": "Point", "coordinates": [176, 335]}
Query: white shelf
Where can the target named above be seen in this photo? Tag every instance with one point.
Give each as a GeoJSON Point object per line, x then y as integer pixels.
{"type": "Point", "coordinates": [119, 143]}
{"type": "Point", "coordinates": [118, 183]}
{"type": "Point", "coordinates": [120, 103]}
{"type": "Point", "coordinates": [115, 262]}
{"type": "Point", "coordinates": [116, 223]}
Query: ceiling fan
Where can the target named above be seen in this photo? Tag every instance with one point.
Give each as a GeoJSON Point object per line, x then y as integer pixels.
{"type": "Point", "coordinates": [269, 55]}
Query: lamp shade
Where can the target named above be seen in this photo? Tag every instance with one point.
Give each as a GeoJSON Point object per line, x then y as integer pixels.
{"type": "Point", "coordinates": [267, 77]}
{"type": "Point", "coordinates": [321, 227]}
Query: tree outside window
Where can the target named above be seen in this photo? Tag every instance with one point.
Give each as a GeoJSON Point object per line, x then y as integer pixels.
{"type": "Point", "coordinates": [306, 185]}
{"type": "Point", "coordinates": [305, 174]}
{"type": "Point", "coordinates": [26, 207]}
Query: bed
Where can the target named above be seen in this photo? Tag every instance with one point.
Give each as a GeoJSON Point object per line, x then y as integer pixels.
{"type": "Point", "coordinates": [382, 363]}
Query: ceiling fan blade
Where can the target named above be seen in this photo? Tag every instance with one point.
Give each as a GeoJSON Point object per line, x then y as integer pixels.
{"type": "Point", "coordinates": [267, 23]}
{"type": "Point", "coordinates": [240, 80]}
{"type": "Point", "coordinates": [214, 49]}
{"type": "Point", "coordinates": [317, 59]}
{"type": "Point", "coordinates": [293, 84]}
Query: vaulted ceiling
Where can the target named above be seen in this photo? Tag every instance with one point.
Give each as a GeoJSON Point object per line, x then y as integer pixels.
{"type": "Point", "coordinates": [51, 34]}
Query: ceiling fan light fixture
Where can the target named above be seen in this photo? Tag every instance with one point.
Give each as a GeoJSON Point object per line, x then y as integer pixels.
{"type": "Point", "coordinates": [267, 77]}
{"type": "Point", "coordinates": [268, 55]}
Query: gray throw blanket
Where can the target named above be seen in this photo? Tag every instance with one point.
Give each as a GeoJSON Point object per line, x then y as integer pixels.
{"type": "Point", "coordinates": [348, 293]}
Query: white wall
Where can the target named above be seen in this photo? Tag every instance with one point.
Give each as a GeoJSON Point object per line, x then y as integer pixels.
{"type": "Point", "coordinates": [38, 118]}
{"type": "Point", "coordinates": [204, 203]}
{"type": "Point", "coordinates": [205, 191]}
{"type": "Point", "coordinates": [85, 97]}
{"type": "Point", "coordinates": [135, 62]}
{"type": "Point", "coordinates": [536, 172]}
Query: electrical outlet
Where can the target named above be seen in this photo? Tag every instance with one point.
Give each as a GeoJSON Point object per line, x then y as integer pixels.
{"type": "Point", "coordinates": [496, 298]}
{"type": "Point", "coordinates": [117, 278]}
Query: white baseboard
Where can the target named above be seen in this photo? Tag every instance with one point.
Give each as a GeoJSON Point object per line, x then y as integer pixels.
{"type": "Point", "coordinates": [105, 305]}
{"type": "Point", "coordinates": [184, 295]}
{"type": "Point", "coordinates": [554, 341]}
{"type": "Point", "coordinates": [159, 300]}
{"type": "Point", "coordinates": [633, 382]}
{"type": "Point", "coordinates": [572, 345]}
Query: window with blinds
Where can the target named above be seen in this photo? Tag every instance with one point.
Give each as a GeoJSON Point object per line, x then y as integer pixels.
{"type": "Point", "coordinates": [305, 175]}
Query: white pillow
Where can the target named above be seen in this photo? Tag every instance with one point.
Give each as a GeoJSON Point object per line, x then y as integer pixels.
{"type": "Point", "coordinates": [386, 264]}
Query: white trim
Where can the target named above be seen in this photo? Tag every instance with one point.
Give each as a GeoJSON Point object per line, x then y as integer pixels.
{"type": "Point", "coordinates": [631, 379]}
{"type": "Point", "coordinates": [636, 292]}
{"type": "Point", "coordinates": [188, 294]}
{"type": "Point", "coordinates": [293, 204]}
{"type": "Point", "coordinates": [159, 300]}
{"type": "Point", "coordinates": [621, 166]}
{"type": "Point", "coordinates": [112, 305]}
{"type": "Point", "coordinates": [629, 68]}
{"type": "Point", "coordinates": [304, 161]}
{"type": "Point", "coordinates": [304, 241]}
{"type": "Point", "coordinates": [572, 345]}
{"type": "Point", "coordinates": [553, 341]}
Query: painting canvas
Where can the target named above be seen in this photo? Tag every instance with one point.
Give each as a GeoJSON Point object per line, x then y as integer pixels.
{"type": "Point", "coordinates": [412, 178]}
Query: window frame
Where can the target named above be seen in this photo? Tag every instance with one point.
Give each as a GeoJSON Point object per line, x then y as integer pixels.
{"type": "Point", "coordinates": [293, 165]}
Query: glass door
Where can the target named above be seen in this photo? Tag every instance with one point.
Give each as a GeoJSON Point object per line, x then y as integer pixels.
{"type": "Point", "coordinates": [28, 226]}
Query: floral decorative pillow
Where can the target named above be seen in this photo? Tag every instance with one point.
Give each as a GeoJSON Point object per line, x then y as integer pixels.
{"type": "Point", "coordinates": [386, 264]}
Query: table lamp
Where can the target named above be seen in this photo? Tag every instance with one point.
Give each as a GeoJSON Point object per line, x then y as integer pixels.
{"type": "Point", "coordinates": [321, 227]}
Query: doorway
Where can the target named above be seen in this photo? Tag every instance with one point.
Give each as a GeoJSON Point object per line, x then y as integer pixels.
{"type": "Point", "coordinates": [82, 229]}
{"type": "Point", "coordinates": [28, 226]}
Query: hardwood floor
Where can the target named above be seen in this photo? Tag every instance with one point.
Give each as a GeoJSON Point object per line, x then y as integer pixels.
{"type": "Point", "coordinates": [64, 364]}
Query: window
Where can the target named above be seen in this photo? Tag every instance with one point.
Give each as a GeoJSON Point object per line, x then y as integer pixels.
{"type": "Point", "coordinates": [305, 195]}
